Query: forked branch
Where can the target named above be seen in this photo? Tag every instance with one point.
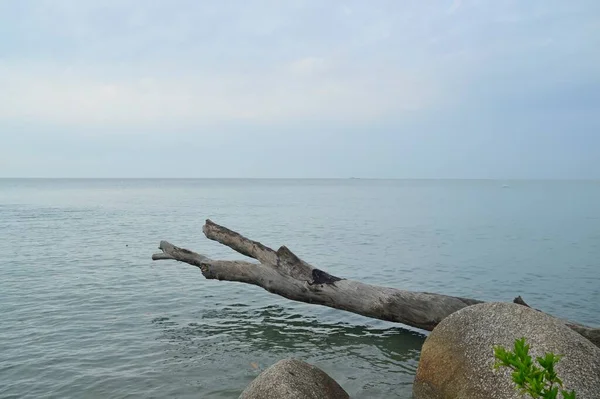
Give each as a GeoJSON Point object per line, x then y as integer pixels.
{"type": "Point", "coordinates": [281, 272]}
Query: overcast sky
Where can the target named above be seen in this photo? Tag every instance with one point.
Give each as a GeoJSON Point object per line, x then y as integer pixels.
{"type": "Point", "coordinates": [389, 89]}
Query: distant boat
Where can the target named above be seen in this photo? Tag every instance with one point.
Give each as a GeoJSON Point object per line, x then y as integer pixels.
{"type": "Point", "coordinates": [505, 186]}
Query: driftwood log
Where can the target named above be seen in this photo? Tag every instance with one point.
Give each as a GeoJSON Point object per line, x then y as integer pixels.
{"type": "Point", "coordinates": [283, 273]}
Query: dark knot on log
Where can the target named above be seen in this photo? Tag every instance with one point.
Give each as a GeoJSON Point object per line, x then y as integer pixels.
{"type": "Point", "coordinates": [321, 277]}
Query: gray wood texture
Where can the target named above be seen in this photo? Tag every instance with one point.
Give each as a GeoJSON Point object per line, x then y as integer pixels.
{"type": "Point", "coordinates": [281, 272]}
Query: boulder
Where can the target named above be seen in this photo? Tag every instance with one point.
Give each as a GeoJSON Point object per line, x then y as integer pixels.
{"type": "Point", "coordinates": [457, 358]}
{"type": "Point", "coordinates": [293, 379]}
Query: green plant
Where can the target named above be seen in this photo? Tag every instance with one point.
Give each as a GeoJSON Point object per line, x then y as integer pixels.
{"type": "Point", "coordinates": [539, 382]}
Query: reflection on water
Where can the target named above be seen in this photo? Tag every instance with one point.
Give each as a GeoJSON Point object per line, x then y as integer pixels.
{"type": "Point", "coordinates": [373, 358]}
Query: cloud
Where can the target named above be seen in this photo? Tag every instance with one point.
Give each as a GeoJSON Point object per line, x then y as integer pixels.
{"type": "Point", "coordinates": [421, 88]}
{"type": "Point", "coordinates": [455, 6]}
{"type": "Point", "coordinates": [308, 66]}
{"type": "Point", "coordinates": [88, 96]}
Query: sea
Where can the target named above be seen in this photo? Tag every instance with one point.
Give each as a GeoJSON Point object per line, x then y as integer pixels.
{"type": "Point", "coordinates": [86, 313]}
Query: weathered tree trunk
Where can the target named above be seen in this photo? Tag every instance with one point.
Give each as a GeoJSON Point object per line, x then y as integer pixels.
{"type": "Point", "coordinates": [283, 273]}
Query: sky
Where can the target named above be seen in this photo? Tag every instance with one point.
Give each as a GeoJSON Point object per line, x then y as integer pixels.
{"type": "Point", "coordinates": [300, 88]}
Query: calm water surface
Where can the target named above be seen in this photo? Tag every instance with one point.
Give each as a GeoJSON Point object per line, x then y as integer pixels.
{"type": "Point", "coordinates": [86, 313]}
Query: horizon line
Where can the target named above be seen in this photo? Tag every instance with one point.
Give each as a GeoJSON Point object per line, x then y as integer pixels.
{"type": "Point", "coordinates": [306, 178]}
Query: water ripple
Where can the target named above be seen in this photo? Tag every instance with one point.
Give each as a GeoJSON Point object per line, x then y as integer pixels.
{"type": "Point", "coordinates": [85, 313]}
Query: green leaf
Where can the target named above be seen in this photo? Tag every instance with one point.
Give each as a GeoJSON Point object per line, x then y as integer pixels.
{"type": "Point", "coordinates": [537, 382]}
{"type": "Point", "coordinates": [552, 393]}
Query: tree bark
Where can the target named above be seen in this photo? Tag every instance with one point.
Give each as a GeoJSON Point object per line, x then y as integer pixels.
{"type": "Point", "coordinates": [283, 273]}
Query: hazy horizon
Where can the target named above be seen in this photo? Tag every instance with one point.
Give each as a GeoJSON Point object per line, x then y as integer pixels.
{"type": "Point", "coordinates": [303, 89]}
{"type": "Point", "coordinates": [505, 180]}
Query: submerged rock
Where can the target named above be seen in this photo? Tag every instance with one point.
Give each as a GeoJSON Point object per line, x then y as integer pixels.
{"type": "Point", "coordinates": [457, 358]}
{"type": "Point", "coordinates": [293, 379]}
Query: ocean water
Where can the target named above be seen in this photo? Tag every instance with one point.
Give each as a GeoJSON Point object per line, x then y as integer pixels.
{"type": "Point", "coordinates": [84, 311]}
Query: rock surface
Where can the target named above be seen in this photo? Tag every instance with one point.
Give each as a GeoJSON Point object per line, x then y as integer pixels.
{"type": "Point", "coordinates": [293, 379]}
{"type": "Point", "coordinates": [457, 358]}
